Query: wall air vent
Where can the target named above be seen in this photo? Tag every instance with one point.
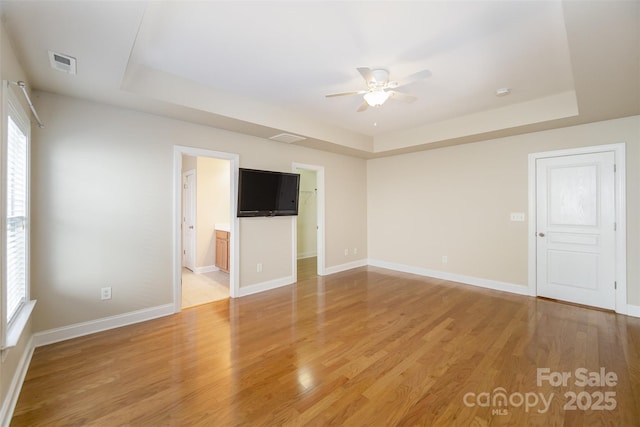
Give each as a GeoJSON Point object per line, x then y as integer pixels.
{"type": "Point", "coordinates": [287, 138]}
{"type": "Point", "coordinates": [64, 63]}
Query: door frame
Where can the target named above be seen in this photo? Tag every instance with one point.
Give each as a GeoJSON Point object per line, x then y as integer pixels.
{"type": "Point", "coordinates": [320, 242]}
{"type": "Point", "coordinates": [234, 224]}
{"type": "Point", "coordinates": [193, 191]}
{"type": "Point", "coordinates": [618, 150]}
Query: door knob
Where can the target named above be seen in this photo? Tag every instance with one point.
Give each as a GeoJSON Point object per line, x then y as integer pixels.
{"type": "Point", "coordinates": [541, 234]}
{"type": "Point", "coordinates": [191, 227]}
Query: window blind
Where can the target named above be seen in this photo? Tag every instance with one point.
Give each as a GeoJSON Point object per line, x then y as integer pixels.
{"type": "Point", "coordinates": [16, 250]}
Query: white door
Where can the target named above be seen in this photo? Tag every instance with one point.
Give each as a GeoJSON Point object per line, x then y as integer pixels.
{"type": "Point", "coordinates": [188, 219]}
{"type": "Point", "coordinates": [575, 202]}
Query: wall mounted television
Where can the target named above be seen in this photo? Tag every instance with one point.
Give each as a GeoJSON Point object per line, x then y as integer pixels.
{"type": "Point", "coordinates": [267, 193]}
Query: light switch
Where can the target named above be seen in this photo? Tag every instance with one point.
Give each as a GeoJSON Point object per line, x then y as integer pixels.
{"type": "Point", "coordinates": [517, 216]}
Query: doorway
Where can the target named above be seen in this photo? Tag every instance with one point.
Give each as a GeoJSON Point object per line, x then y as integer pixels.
{"type": "Point", "coordinates": [205, 217]}
{"type": "Point", "coordinates": [309, 254]}
{"type": "Point", "coordinates": [212, 178]}
{"type": "Point", "coordinates": [576, 221]}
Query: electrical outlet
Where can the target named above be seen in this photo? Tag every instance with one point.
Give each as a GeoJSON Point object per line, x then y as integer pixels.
{"type": "Point", "coordinates": [445, 259]}
{"type": "Point", "coordinates": [517, 216]}
{"type": "Point", "coordinates": [346, 252]}
{"type": "Point", "coordinates": [355, 251]}
{"type": "Point", "coordinates": [105, 293]}
{"type": "Point", "coordinates": [259, 267]}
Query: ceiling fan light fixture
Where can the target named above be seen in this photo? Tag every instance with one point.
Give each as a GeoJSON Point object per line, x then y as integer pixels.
{"type": "Point", "coordinates": [376, 98]}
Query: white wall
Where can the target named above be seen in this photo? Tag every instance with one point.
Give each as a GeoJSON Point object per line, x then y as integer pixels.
{"type": "Point", "coordinates": [104, 200]}
{"type": "Point", "coordinates": [456, 202]}
{"type": "Point", "coordinates": [212, 206]}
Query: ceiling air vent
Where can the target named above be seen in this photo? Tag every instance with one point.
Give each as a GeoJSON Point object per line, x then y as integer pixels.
{"type": "Point", "coordinates": [287, 138]}
{"type": "Point", "coordinates": [64, 63]}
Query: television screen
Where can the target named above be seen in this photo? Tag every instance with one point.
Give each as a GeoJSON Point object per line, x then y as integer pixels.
{"type": "Point", "coordinates": [267, 193]}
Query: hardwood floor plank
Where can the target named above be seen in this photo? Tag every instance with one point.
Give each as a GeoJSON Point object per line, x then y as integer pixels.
{"type": "Point", "coordinates": [362, 347]}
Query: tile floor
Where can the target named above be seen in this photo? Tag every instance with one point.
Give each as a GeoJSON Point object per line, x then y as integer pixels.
{"type": "Point", "coordinates": [203, 288]}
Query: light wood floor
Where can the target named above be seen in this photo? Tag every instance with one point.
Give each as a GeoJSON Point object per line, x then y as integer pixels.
{"type": "Point", "coordinates": [366, 347]}
{"type": "Point", "coordinates": [307, 268]}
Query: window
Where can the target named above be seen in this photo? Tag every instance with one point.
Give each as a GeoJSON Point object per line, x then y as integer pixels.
{"type": "Point", "coordinates": [15, 239]}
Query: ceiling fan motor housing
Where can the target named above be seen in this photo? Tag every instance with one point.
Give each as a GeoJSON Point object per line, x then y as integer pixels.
{"type": "Point", "coordinates": [379, 78]}
{"type": "Point", "coordinates": [379, 88]}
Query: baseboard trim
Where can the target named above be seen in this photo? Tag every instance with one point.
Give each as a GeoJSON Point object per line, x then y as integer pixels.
{"type": "Point", "coordinates": [467, 280]}
{"type": "Point", "coordinates": [345, 267]}
{"type": "Point", "coordinates": [206, 269]}
{"type": "Point", "coordinates": [11, 398]}
{"type": "Point", "coordinates": [305, 255]}
{"type": "Point", "coordinates": [85, 328]}
{"type": "Point", "coordinates": [633, 310]}
{"type": "Point", "coordinates": [265, 286]}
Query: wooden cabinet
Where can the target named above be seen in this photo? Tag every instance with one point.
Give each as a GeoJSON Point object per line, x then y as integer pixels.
{"type": "Point", "coordinates": [222, 250]}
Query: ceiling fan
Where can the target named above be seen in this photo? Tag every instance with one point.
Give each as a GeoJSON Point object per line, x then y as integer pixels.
{"type": "Point", "coordinates": [380, 89]}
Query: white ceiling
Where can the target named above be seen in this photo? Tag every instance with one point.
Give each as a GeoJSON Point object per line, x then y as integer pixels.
{"type": "Point", "coordinates": [264, 67]}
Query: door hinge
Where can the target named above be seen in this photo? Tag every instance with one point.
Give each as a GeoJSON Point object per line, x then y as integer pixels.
{"type": "Point", "coordinates": [615, 226]}
{"type": "Point", "coordinates": [615, 285]}
{"type": "Point", "coordinates": [615, 168]}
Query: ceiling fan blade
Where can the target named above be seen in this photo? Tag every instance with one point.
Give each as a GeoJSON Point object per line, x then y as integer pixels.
{"type": "Point", "coordinates": [420, 75]}
{"type": "Point", "coordinates": [403, 97]}
{"type": "Point", "coordinates": [362, 107]}
{"type": "Point", "coordinates": [366, 74]}
{"type": "Point", "coordinates": [360, 92]}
